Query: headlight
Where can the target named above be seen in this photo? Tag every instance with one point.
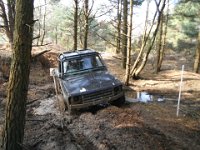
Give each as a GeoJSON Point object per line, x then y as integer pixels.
{"type": "Point", "coordinates": [76, 99]}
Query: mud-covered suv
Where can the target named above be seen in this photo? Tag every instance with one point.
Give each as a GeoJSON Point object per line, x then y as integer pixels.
{"type": "Point", "coordinates": [83, 80]}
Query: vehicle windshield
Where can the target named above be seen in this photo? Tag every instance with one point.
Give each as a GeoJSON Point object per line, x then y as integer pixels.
{"type": "Point", "coordinates": [82, 64]}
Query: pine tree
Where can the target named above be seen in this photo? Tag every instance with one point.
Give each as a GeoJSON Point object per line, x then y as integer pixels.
{"type": "Point", "coordinates": [19, 77]}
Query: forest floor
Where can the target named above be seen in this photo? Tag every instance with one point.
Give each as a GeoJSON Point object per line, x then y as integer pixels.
{"type": "Point", "coordinates": [146, 121]}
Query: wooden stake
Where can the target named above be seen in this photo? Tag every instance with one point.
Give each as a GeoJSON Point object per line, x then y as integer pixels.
{"type": "Point", "coordinates": [180, 89]}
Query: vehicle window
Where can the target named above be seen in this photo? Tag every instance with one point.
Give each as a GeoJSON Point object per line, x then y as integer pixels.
{"type": "Point", "coordinates": [71, 66]}
{"type": "Point", "coordinates": [90, 62]}
{"type": "Point", "coordinates": [82, 64]}
{"type": "Point", "coordinates": [86, 63]}
{"type": "Point", "coordinates": [99, 63]}
{"type": "Point", "coordinates": [65, 67]}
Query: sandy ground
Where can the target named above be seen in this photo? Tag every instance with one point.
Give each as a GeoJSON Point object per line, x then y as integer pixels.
{"type": "Point", "coordinates": [151, 124]}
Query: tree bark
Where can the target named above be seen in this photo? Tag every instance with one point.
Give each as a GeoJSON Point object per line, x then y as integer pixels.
{"type": "Point", "coordinates": [86, 26]}
{"type": "Point", "coordinates": [19, 77]}
{"type": "Point", "coordinates": [124, 34]}
{"type": "Point", "coordinates": [75, 23]}
{"type": "Point", "coordinates": [128, 61]}
{"type": "Point", "coordinates": [119, 9]}
{"type": "Point", "coordinates": [197, 55]}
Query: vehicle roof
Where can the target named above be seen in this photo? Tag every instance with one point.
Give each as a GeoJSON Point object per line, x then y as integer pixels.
{"type": "Point", "coordinates": [69, 54]}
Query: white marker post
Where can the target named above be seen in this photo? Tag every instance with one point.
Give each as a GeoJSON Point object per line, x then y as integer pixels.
{"type": "Point", "coordinates": [179, 96]}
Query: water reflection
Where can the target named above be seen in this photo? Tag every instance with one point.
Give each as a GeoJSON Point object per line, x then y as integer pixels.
{"type": "Point", "coordinates": [145, 98]}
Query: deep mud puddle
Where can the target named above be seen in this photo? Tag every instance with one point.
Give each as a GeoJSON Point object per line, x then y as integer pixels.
{"type": "Point", "coordinates": [145, 97]}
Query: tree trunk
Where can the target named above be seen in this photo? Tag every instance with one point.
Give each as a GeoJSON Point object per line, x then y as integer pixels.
{"type": "Point", "coordinates": [164, 39]}
{"type": "Point", "coordinates": [86, 26]}
{"type": "Point", "coordinates": [39, 25]}
{"type": "Point", "coordinates": [19, 77]}
{"type": "Point", "coordinates": [119, 9]}
{"type": "Point", "coordinates": [11, 16]}
{"type": "Point", "coordinates": [144, 41]}
{"type": "Point", "coordinates": [124, 34]}
{"type": "Point", "coordinates": [136, 71]}
{"type": "Point", "coordinates": [128, 61]}
{"type": "Point", "coordinates": [160, 42]}
{"type": "Point", "coordinates": [75, 23]}
{"type": "Point", "coordinates": [44, 23]}
{"type": "Point", "coordinates": [197, 55]}
{"type": "Point", "coordinates": [6, 22]}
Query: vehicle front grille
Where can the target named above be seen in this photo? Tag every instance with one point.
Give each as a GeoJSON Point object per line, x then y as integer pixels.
{"type": "Point", "coordinates": [98, 95]}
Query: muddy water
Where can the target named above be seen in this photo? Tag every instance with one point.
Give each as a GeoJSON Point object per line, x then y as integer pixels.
{"type": "Point", "coordinates": [50, 105]}
{"type": "Point", "coordinates": [47, 106]}
{"type": "Point", "coordinates": [144, 97]}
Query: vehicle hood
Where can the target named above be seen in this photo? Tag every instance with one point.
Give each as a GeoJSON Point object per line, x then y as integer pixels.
{"type": "Point", "coordinates": [89, 82]}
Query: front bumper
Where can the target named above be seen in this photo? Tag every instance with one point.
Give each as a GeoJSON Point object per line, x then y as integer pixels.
{"type": "Point", "coordinates": [96, 102]}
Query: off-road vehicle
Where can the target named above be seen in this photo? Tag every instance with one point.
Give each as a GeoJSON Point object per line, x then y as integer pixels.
{"type": "Point", "coordinates": [82, 79]}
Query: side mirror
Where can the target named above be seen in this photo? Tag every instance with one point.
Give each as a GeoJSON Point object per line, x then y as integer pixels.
{"type": "Point", "coordinates": [54, 72]}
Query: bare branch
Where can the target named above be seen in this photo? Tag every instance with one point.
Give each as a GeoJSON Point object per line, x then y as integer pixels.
{"type": "Point", "coordinates": [37, 37]}
{"type": "Point", "coordinates": [42, 45]}
{"type": "Point", "coordinates": [90, 10]}
{"type": "Point", "coordinates": [39, 54]}
{"type": "Point", "coordinates": [105, 39]}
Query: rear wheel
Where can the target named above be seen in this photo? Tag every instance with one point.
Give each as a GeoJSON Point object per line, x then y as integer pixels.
{"type": "Point", "coordinates": [118, 102]}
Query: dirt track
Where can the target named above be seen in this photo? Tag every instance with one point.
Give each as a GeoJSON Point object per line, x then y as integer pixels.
{"type": "Point", "coordinates": [138, 125]}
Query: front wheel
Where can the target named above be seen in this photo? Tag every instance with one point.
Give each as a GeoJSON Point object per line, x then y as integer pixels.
{"type": "Point", "coordinates": [118, 102]}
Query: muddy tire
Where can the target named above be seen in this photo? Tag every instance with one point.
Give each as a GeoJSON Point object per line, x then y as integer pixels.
{"type": "Point", "coordinates": [120, 101]}
{"type": "Point", "coordinates": [68, 109]}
